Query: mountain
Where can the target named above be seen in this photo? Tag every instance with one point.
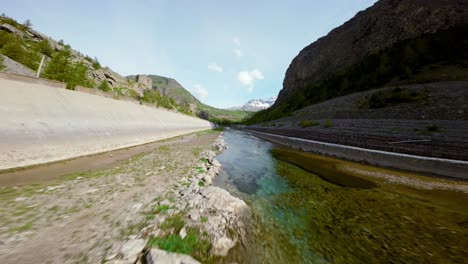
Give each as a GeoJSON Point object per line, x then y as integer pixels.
{"type": "Point", "coordinates": [393, 42]}
{"type": "Point", "coordinates": [255, 104]}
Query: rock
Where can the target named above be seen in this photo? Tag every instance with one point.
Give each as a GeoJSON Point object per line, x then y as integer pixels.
{"type": "Point", "coordinates": [52, 188]}
{"type": "Point", "coordinates": [158, 256]}
{"type": "Point", "coordinates": [162, 168]}
{"type": "Point", "coordinates": [12, 66]}
{"type": "Point", "coordinates": [378, 27]}
{"type": "Point", "coordinates": [137, 206]}
{"type": "Point", "coordinates": [183, 232]}
{"type": "Point", "coordinates": [220, 199]}
{"type": "Point", "coordinates": [222, 246]}
{"type": "Point", "coordinates": [165, 202]}
{"type": "Point", "coordinates": [11, 29]}
{"type": "Point", "coordinates": [132, 248]}
{"type": "Point", "coordinates": [21, 199]}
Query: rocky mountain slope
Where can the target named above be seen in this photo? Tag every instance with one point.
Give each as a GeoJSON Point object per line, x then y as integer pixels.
{"type": "Point", "coordinates": [379, 27]}
{"type": "Point", "coordinates": [255, 104]}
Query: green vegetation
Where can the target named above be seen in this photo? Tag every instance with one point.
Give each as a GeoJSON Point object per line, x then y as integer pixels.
{"type": "Point", "coordinates": [199, 169]}
{"type": "Point", "coordinates": [104, 86]}
{"type": "Point", "coordinates": [204, 219]}
{"type": "Point", "coordinates": [405, 62]}
{"type": "Point", "coordinates": [61, 68]}
{"type": "Point", "coordinates": [161, 209]}
{"type": "Point", "coordinates": [392, 223]}
{"type": "Point", "coordinates": [222, 116]}
{"type": "Point", "coordinates": [193, 244]}
{"type": "Point", "coordinates": [153, 97]}
{"type": "Point", "coordinates": [327, 124]}
{"type": "Point", "coordinates": [308, 123]}
{"type": "Point", "coordinates": [15, 48]}
{"type": "Point", "coordinates": [393, 97]}
{"type": "Point", "coordinates": [1, 63]}
{"type": "Point", "coordinates": [318, 165]}
{"type": "Point", "coordinates": [44, 47]}
{"type": "Point", "coordinates": [201, 184]}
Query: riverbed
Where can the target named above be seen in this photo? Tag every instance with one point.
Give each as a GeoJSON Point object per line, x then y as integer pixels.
{"type": "Point", "coordinates": [314, 209]}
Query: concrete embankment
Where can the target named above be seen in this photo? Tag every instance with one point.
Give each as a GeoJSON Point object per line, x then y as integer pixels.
{"type": "Point", "coordinates": [41, 123]}
{"type": "Point", "coordinates": [443, 167]}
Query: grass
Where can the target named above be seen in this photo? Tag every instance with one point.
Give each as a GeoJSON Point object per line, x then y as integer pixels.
{"type": "Point", "coordinates": [161, 209]}
{"type": "Point", "coordinates": [199, 169]}
{"type": "Point", "coordinates": [308, 123]}
{"type": "Point", "coordinates": [204, 219]}
{"type": "Point", "coordinates": [21, 228]}
{"type": "Point", "coordinates": [201, 184]}
{"type": "Point", "coordinates": [205, 160]}
{"type": "Point", "coordinates": [193, 244]}
{"type": "Point", "coordinates": [174, 222]}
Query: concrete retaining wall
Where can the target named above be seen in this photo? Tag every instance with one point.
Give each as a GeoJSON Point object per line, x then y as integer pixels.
{"type": "Point", "coordinates": [32, 80]}
{"type": "Point", "coordinates": [40, 123]}
{"type": "Point", "coordinates": [443, 167]}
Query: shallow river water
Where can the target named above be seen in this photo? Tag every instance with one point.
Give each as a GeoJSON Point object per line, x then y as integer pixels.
{"type": "Point", "coordinates": [311, 209]}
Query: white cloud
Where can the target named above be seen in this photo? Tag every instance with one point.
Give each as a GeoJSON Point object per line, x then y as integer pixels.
{"type": "Point", "coordinates": [199, 91]}
{"type": "Point", "coordinates": [248, 78]}
{"type": "Point", "coordinates": [215, 67]}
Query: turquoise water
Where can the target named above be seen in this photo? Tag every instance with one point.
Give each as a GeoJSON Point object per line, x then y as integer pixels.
{"type": "Point", "coordinates": [249, 172]}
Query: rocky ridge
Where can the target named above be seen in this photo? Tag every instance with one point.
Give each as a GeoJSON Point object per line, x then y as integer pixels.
{"type": "Point", "coordinates": [222, 216]}
{"type": "Point", "coordinates": [370, 31]}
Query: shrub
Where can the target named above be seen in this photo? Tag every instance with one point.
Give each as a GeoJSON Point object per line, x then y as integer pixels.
{"type": "Point", "coordinates": [433, 128]}
{"type": "Point", "coordinates": [308, 123]}
{"type": "Point", "coordinates": [104, 86]}
{"type": "Point", "coordinates": [44, 47]}
{"type": "Point", "coordinates": [61, 68]}
{"type": "Point", "coordinates": [14, 48]}
{"type": "Point", "coordinates": [96, 64]}
{"type": "Point", "coordinates": [392, 97]}
{"type": "Point", "coordinates": [327, 123]}
{"type": "Point", "coordinates": [1, 63]}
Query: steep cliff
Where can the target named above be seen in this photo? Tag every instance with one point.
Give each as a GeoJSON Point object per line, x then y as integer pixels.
{"type": "Point", "coordinates": [375, 29]}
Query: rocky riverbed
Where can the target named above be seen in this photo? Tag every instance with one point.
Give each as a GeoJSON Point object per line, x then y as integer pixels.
{"type": "Point", "coordinates": [156, 202]}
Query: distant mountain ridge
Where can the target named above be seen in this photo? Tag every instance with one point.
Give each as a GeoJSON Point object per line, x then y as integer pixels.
{"type": "Point", "coordinates": [255, 104]}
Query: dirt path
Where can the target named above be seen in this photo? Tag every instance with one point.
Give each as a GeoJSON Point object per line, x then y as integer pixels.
{"type": "Point", "coordinates": [86, 217]}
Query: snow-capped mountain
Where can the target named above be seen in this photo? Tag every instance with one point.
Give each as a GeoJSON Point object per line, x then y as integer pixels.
{"type": "Point", "coordinates": [256, 104]}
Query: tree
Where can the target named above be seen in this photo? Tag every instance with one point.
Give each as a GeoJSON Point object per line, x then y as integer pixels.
{"type": "Point", "coordinates": [61, 68]}
{"type": "Point", "coordinates": [27, 23]}
{"type": "Point", "coordinates": [44, 47]}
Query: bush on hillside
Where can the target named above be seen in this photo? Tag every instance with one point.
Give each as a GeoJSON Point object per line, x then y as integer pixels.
{"type": "Point", "coordinates": [104, 86]}
{"type": "Point", "coordinates": [15, 48]}
{"type": "Point", "coordinates": [61, 68]}
{"type": "Point", "coordinates": [1, 63]}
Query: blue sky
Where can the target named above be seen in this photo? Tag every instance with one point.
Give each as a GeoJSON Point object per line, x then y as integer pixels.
{"type": "Point", "coordinates": [224, 52]}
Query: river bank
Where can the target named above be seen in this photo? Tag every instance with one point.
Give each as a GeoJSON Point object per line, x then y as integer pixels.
{"type": "Point", "coordinates": [309, 208]}
{"type": "Point", "coordinates": [111, 214]}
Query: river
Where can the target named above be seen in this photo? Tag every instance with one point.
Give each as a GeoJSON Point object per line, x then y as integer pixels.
{"type": "Point", "coordinates": [313, 209]}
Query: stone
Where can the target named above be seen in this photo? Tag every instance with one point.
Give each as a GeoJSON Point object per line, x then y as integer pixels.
{"type": "Point", "coordinates": [21, 199]}
{"type": "Point", "coordinates": [11, 29]}
{"type": "Point", "coordinates": [158, 256]}
{"type": "Point", "coordinates": [164, 202]}
{"type": "Point", "coordinates": [183, 232]}
{"type": "Point", "coordinates": [221, 246]}
{"type": "Point", "coordinates": [132, 248]}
